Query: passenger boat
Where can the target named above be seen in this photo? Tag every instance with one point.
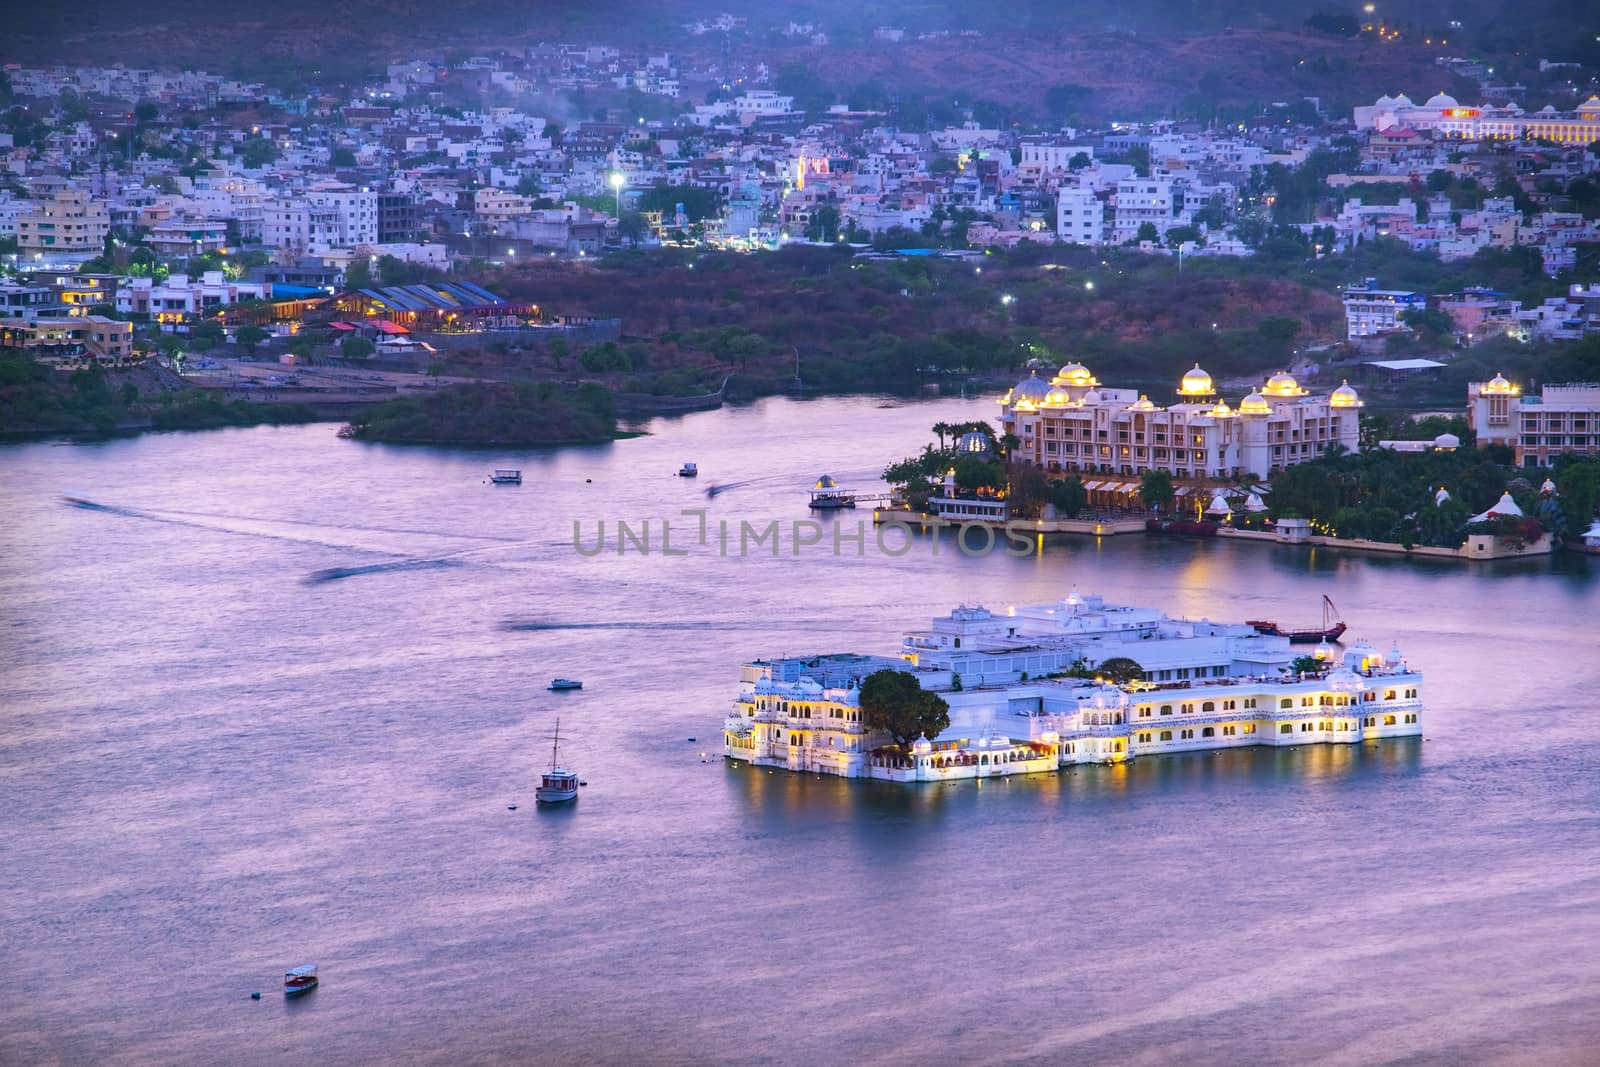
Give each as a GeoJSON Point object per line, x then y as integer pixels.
{"type": "Point", "coordinates": [826, 495]}
{"type": "Point", "coordinates": [300, 980]}
{"type": "Point", "coordinates": [1332, 627]}
{"type": "Point", "coordinates": [506, 477]}
{"type": "Point", "coordinates": [557, 785]}
{"type": "Point", "coordinates": [688, 470]}
{"type": "Point", "coordinates": [561, 685]}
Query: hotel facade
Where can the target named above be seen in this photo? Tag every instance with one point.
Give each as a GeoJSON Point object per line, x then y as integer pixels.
{"type": "Point", "coordinates": [1559, 419]}
{"type": "Point", "coordinates": [1072, 423]}
{"type": "Point", "coordinates": [1013, 711]}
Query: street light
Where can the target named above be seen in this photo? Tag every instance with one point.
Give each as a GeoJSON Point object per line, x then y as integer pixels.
{"type": "Point", "coordinates": [618, 180]}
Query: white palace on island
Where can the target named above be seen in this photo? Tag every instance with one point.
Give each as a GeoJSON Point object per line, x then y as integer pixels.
{"type": "Point", "coordinates": [1072, 423]}
{"type": "Point", "coordinates": [1015, 710]}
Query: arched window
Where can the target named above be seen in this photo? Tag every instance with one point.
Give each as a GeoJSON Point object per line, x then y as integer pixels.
{"type": "Point", "coordinates": [1210, 705]}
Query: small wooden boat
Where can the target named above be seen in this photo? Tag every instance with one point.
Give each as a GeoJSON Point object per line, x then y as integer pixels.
{"type": "Point", "coordinates": [300, 980]}
{"type": "Point", "coordinates": [557, 785]}
{"type": "Point", "coordinates": [1332, 627]}
{"type": "Point", "coordinates": [688, 470]}
{"type": "Point", "coordinates": [506, 476]}
{"type": "Point", "coordinates": [561, 685]}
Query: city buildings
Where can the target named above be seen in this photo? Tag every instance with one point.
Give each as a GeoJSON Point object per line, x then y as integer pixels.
{"type": "Point", "coordinates": [1023, 698]}
{"type": "Point", "coordinates": [1444, 115]}
{"type": "Point", "coordinates": [1073, 423]}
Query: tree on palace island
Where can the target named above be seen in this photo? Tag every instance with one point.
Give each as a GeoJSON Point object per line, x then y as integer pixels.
{"type": "Point", "coordinates": [893, 702]}
{"type": "Point", "coordinates": [1121, 669]}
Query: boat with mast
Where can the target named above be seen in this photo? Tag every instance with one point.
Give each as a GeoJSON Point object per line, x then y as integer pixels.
{"type": "Point", "coordinates": [1333, 627]}
{"type": "Point", "coordinates": [557, 785]}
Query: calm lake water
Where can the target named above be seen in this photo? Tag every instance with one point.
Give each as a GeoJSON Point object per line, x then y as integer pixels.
{"type": "Point", "coordinates": [269, 703]}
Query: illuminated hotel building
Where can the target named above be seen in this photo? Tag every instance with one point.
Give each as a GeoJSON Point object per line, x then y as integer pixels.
{"type": "Point", "coordinates": [1561, 418]}
{"type": "Point", "coordinates": [1072, 423]}
{"type": "Point", "coordinates": [1205, 685]}
{"type": "Point", "coordinates": [1448, 118]}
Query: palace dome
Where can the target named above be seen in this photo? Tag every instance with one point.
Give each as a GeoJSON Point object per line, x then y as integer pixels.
{"type": "Point", "coordinates": [1283, 384]}
{"type": "Point", "coordinates": [1384, 101]}
{"type": "Point", "coordinates": [1196, 382]}
{"type": "Point", "coordinates": [1324, 651]}
{"type": "Point", "coordinates": [1344, 680]}
{"type": "Point", "coordinates": [1360, 656]}
{"type": "Point", "coordinates": [1142, 404]}
{"type": "Point", "coordinates": [1057, 397]}
{"type": "Point", "coordinates": [1447, 442]}
{"type": "Point", "coordinates": [1255, 404]}
{"type": "Point", "coordinates": [1032, 387]}
{"type": "Point", "coordinates": [1441, 100]}
{"type": "Point", "coordinates": [825, 482]}
{"type": "Point", "coordinates": [1496, 386]}
{"type": "Point", "coordinates": [1222, 411]}
{"type": "Point", "coordinates": [1344, 397]}
{"type": "Point", "coordinates": [1403, 101]}
{"type": "Point", "coordinates": [976, 443]}
{"type": "Point", "coordinates": [922, 746]}
{"type": "Point", "coordinates": [1548, 488]}
{"type": "Point", "coordinates": [1441, 496]}
{"type": "Point", "coordinates": [1393, 658]}
{"type": "Point", "coordinates": [1075, 374]}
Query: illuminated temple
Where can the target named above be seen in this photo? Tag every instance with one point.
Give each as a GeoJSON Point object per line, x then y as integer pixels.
{"type": "Point", "coordinates": [1016, 709]}
{"type": "Point", "coordinates": [1073, 423]}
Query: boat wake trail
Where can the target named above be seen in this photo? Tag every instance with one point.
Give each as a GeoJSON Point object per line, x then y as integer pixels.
{"type": "Point", "coordinates": [545, 624]}
{"type": "Point", "coordinates": [333, 574]}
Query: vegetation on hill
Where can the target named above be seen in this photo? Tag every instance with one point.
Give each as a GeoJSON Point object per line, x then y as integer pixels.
{"type": "Point", "coordinates": [37, 398]}
{"type": "Point", "coordinates": [518, 415]}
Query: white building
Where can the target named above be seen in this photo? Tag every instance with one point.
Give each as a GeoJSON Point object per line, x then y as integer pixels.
{"type": "Point", "coordinates": [330, 216]}
{"type": "Point", "coordinates": [1072, 423]}
{"type": "Point", "coordinates": [1142, 200]}
{"type": "Point", "coordinates": [1020, 704]}
{"type": "Point", "coordinates": [1561, 418]}
{"type": "Point", "coordinates": [1080, 217]}
{"type": "Point", "coordinates": [1370, 311]}
{"type": "Point", "coordinates": [72, 223]}
{"type": "Point", "coordinates": [180, 299]}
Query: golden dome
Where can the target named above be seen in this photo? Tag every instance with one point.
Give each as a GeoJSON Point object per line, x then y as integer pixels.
{"type": "Point", "coordinates": [1255, 404]}
{"type": "Point", "coordinates": [1497, 386]}
{"type": "Point", "coordinates": [1195, 382]}
{"type": "Point", "coordinates": [1283, 384]}
{"type": "Point", "coordinates": [1222, 411]}
{"type": "Point", "coordinates": [1142, 404]}
{"type": "Point", "coordinates": [1075, 374]}
{"type": "Point", "coordinates": [1344, 397]}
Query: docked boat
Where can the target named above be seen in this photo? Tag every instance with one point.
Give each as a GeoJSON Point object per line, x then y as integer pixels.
{"type": "Point", "coordinates": [688, 470]}
{"type": "Point", "coordinates": [561, 685]}
{"type": "Point", "coordinates": [827, 495]}
{"type": "Point", "coordinates": [300, 980]}
{"type": "Point", "coordinates": [1332, 627]}
{"type": "Point", "coordinates": [557, 785]}
{"type": "Point", "coordinates": [506, 477]}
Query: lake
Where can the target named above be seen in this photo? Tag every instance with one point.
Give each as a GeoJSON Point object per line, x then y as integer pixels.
{"type": "Point", "coordinates": [268, 700]}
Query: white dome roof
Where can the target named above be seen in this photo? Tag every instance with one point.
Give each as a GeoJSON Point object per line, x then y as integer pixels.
{"type": "Point", "coordinates": [1447, 440]}
{"type": "Point", "coordinates": [1283, 384]}
{"type": "Point", "coordinates": [1344, 397]}
{"type": "Point", "coordinates": [1255, 404]}
{"type": "Point", "coordinates": [1384, 101]}
{"type": "Point", "coordinates": [1142, 404]}
{"type": "Point", "coordinates": [1393, 658]}
{"type": "Point", "coordinates": [922, 746]}
{"type": "Point", "coordinates": [1441, 100]}
{"type": "Point", "coordinates": [1548, 486]}
{"type": "Point", "coordinates": [1074, 374]}
{"type": "Point", "coordinates": [1441, 496]}
{"type": "Point", "coordinates": [1344, 681]}
{"type": "Point", "coordinates": [1497, 384]}
{"type": "Point", "coordinates": [1403, 101]}
{"type": "Point", "coordinates": [1196, 382]}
